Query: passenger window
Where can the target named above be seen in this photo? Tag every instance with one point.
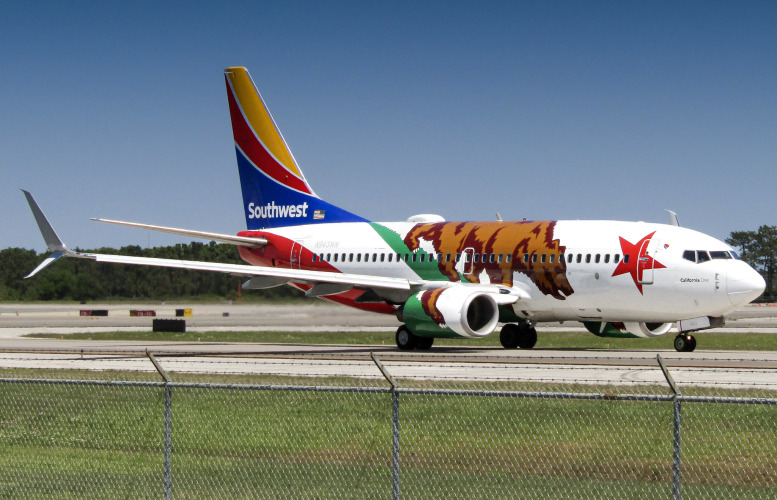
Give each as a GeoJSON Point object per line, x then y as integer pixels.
{"type": "Point", "coordinates": [570, 257]}
{"type": "Point", "coordinates": [391, 257]}
{"type": "Point", "coordinates": [533, 258]}
{"type": "Point", "coordinates": [477, 258]}
{"type": "Point", "coordinates": [626, 258]}
{"type": "Point", "coordinates": [509, 258]}
{"type": "Point", "coordinates": [314, 257]}
{"type": "Point", "coordinates": [588, 258]}
{"type": "Point", "coordinates": [552, 258]}
{"type": "Point", "coordinates": [382, 257]}
{"type": "Point", "coordinates": [491, 258]}
{"type": "Point", "coordinates": [335, 257]}
{"type": "Point", "coordinates": [329, 257]}
{"type": "Point", "coordinates": [616, 258]}
{"type": "Point", "coordinates": [525, 258]}
{"type": "Point", "coordinates": [597, 258]}
{"type": "Point", "coordinates": [702, 256]}
{"type": "Point", "coordinates": [447, 257]}
{"type": "Point", "coordinates": [358, 257]}
{"type": "Point", "coordinates": [458, 257]}
{"type": "Point", "coordinates": [689, 255]}
{"type": "Point", "coordinates": [543, 258]}
{"type": "Point", "coordinates": [579, 258]}
{"type": "Point", "coordinates": [423, 257]}
{"type": "Point", "coordinates": [606, 258]}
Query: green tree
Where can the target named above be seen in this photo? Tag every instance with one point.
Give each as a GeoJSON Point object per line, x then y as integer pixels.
{"type": "Point", "coordinates": [759, 249]}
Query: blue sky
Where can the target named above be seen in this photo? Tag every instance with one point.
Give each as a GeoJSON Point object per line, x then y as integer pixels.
{"type": "Point", "coordinates": [543, 110]}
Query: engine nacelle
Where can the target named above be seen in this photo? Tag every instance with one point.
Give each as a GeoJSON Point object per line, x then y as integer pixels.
{"type": "Point", "coordinates": [627, 329]}
{"type": "Point", "coordinates": [456, 311]}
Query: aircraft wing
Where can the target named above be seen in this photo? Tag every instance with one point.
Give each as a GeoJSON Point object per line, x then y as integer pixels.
{"type": "Point", "coordinates": [221, 238]}
{"type": "Point", "coordinates": [283, 274]}
{"type": "Point", "coordinates": [324, 282]}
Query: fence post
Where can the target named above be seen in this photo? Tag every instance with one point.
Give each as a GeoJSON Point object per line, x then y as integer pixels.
{"type": "Point", "coordinates": [394, 427]}
{"type": "Point", "coordinates": [168, 424]}
{"type": "Point", "coordinates": [676, 419]}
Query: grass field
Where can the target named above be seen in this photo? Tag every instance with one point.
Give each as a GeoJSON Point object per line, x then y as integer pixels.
{"type": "Point", "coordinates": [75, 441]}
{"type": "Point", "coordinates": [71, 441]}
{"type": "Point", "coordinates": [547, 340]}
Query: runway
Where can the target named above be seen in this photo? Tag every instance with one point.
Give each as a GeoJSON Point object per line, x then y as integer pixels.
{"type": "Point", "coordinates": [728, 369]}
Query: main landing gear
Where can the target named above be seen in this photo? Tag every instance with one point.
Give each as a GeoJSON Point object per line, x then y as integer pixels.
{"type": "Point", "coordinates": [407, 341]}
{"type": "Point", "coordinates": [522, 335]}
{"type": "Point", "coordinates": [684, 343]}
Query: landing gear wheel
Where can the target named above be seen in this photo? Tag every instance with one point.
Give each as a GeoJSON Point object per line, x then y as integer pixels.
{"type": "Point", "coordinates": [523, 335]}
{"type": "Point", "coordinates": [508, 336]}
{"type": "Point", "coordinates": [406, 341]}
{"type": "Point", "coordinates": [684, 343]}
{"type": "Point", "coordinates": [424, 343]}
{"type": "Point", "coordinates": [528, 336]}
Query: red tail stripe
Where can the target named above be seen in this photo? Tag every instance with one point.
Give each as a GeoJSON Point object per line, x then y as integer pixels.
{"type": "Point", "coordinates": [255, 151]}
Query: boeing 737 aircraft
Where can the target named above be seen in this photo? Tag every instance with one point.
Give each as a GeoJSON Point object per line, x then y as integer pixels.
{"type": "Point", "coordinates": [456, 279]}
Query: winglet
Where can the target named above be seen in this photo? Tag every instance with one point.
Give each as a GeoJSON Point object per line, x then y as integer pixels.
{"type": "Point", "coordinates": [52, 240]}
{"type": "Point", "coordinates": [56, 246]}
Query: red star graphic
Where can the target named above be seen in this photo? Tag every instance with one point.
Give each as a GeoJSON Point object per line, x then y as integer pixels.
{"type": "Point", "coordinates": [638, 260]}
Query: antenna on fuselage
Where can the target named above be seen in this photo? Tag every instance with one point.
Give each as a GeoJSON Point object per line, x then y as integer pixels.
{"type": "Point", "coordinates": [672, 218]}
{"type": "Point", "coordinates": [498, 217]}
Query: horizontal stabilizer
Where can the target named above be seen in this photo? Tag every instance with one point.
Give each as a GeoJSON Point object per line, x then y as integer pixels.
{"type": "Point", "coordinates": [220, 238]}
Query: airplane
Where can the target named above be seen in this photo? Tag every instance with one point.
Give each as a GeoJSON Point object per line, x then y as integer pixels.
{"type": "Point", "coordinates": [455, 279]}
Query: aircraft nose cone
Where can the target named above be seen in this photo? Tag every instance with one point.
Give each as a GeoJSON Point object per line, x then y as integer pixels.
{"type": "Point", "coordinates": [744, 285]}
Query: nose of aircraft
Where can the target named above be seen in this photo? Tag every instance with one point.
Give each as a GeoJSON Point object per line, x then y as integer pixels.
{"type": "Point", "coordinates": [744, 284]}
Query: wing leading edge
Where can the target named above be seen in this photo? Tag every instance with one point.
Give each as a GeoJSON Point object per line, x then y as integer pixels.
{"type": "Point", "coordinates": [281, 275]}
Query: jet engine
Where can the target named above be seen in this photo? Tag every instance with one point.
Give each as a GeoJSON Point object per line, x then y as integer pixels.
{"type": "Point", "coordinates": [627, 329]}
{"type": "Point", "coordinates": [456, 311]}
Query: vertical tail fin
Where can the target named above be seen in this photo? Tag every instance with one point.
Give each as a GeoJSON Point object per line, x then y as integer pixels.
{"type": "Point", "coordinates": [275, 192]}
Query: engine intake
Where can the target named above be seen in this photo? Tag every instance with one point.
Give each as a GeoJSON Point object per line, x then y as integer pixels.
{"type": "Point", "coordinates": [627, 329]}
{"type": "Point", "coordinates": [456, 311]}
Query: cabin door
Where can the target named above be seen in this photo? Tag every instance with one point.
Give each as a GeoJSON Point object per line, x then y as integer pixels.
{"type": "Point", "coordinates": [296, 254]}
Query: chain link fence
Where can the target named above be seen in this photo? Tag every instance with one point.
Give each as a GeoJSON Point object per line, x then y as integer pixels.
{"type": "Point", "coordinates": [122, 434]}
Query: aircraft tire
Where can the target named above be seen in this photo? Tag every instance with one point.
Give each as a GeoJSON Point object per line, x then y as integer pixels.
{"type": "Point", "coordinates": [684, 343]}
{"type": "Point", "coordinates": [424, 343]}
{"type": "Point", "coordinates": [406, 341]}
{"type": "Point", "coordinates": [508, 336]}
{"type": "Point", "coordinates": [527, 337]}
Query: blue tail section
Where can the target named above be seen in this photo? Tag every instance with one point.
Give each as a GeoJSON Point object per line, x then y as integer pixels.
{"type": "Point", "coordinates": [275, 192]}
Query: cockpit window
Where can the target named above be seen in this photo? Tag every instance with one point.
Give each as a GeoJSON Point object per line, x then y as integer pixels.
{"type": "Point", "coordinates": [703, 255]}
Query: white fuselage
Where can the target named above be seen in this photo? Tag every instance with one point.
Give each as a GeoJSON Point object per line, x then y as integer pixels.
{"type": "Point", "coordinates": [617, 271]}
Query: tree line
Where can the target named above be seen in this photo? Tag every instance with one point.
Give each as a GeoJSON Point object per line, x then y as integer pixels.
{"type": "Point", "coordinates": [84, 280]}
{"type": "Point", "coordinates": [759, 249]}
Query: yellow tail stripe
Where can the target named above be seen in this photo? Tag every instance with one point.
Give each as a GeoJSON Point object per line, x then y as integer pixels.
{"type": "Point", "coordinates": [259, 118]}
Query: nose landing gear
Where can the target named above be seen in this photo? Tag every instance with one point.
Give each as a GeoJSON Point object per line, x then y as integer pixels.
{"type": "Point", "coordinates": [684, 343]}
